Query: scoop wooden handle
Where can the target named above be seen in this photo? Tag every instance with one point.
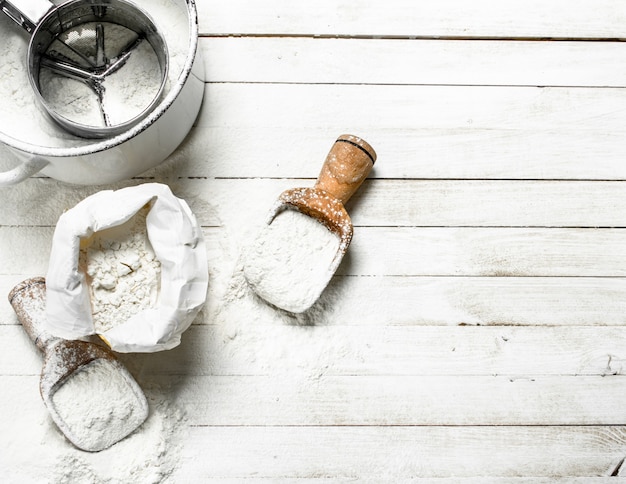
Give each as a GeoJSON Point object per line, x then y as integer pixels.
{"type": "Point", "coordinates": [347, 165]}
{"type": "Point", "coordinates": [28, 299]}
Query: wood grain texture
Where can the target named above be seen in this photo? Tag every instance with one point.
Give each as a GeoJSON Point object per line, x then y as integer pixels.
{"type": "Point", "coordinates": [476, 330]}
{"type": "Point", "coordinates": [442, 301]}
{"type": "Point", "coordinates": [415, 251]}
{"type": "Point", "coordinates": [390, 453]}
{"type": "Point", "coordinates": [382, 203]}
{"type": "Point", "coordinates": [309, 60]}
{"type": "Point", "coordinates": [427, 352]}
{"type": "Point", "coordinates": [449, 18]}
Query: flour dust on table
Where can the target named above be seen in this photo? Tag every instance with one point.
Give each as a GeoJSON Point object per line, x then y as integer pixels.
{"type": "Point", "coordinates": [255, 335]}
{"type": "Point", "coordinates": [150, 455]}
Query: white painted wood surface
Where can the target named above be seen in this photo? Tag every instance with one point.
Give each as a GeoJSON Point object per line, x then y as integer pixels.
{"type": "Point", "coordinates": [476, 331]}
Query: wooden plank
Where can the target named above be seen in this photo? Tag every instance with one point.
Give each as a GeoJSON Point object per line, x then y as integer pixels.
{"type": "Point", "coordinates": [415, 129]}
{"type": "Point", "coordinates": [459, 151]}
{"type": "Point", "coordinates": [447, 18]}
{"type": "Point", "coordinates": [389, 454]}
{"type": "Point", "coordinates": [295, 398]}
{"type": "Point", "coordinates": [467, 251]}
{"type": "Point", "coordinates": [472, 300]}
{"type": "Point", "coordinates": [23, 358]}
{"type": "Point", "coordinates": [240, 204]}
{"type": "Point", "coordinates": [349, 350]}
{"type": "Point", "coordinates": [338, 106]}
{"type": "Point", "coordinates": [422, 301]}
{"type": "Point", "coordinates": [486, 252]}
{"type": "Point", "coordinates": [420, 153]}
{"type": "Point", "coordinates": [26, 452]}
{"type": "Point", "coordinates": [251, 348]}
{"type": "Point", "coordinates": [374, 452]}
{"type": "Point", "coordinates": [443, 62]}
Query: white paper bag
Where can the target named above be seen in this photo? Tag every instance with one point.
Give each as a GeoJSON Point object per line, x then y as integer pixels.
{"type": "Point", "coordinates": [178, 245]}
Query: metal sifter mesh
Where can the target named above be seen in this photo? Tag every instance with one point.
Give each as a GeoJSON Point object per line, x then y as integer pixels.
{"type": "Point", "coordinates": [98, 66]}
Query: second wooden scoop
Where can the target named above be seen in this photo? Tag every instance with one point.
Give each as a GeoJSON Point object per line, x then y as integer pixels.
{"type": "Point", "coordinates": [110, 405]}
{"type": "Point", "coordinates": [289, 265]}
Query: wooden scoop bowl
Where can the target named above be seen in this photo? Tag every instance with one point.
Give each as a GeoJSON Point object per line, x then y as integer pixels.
{"type": "Point", "coordinates": [347, 165]}
{"type": "Point", "coordinates": [64, 358]}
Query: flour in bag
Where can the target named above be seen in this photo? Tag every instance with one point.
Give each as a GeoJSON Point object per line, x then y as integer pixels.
{"type": "Point", "coordinates": [122, 270]}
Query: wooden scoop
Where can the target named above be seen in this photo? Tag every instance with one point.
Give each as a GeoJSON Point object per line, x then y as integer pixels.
{"type": "Point", "coordinates": [64, 362]}
{"type": "Point", "coordinates": [347, 165]}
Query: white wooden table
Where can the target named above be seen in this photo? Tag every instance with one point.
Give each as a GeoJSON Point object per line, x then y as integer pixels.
{"type": "Point", "coordinates": [475, 332]}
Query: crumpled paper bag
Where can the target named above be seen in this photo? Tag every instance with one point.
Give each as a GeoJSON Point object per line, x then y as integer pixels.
{"type": "Point", "coordinates": [177, 241]}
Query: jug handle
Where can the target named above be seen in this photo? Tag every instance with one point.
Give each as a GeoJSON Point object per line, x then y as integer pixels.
{"type": "Point", "coordinates": [22, 171]}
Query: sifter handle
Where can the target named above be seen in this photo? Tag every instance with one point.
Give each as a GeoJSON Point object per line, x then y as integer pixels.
{"type": "Point", "coordinates": [26, 13]}
{"type": "Point", "coordinates": [346, 167]}
{"type": "Point", "coordinates": [28, 299]}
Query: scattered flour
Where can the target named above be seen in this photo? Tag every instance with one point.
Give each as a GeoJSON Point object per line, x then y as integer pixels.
{"type": "Point", "coordinates": [289, 264]}
{"type": "Point", "coordinates": [150, 455]}
{"type": "Point", "coordinates": [251, 335]}
{"type": "Point", "coordinates": [262, 339]}
{"type": "Point", "coordinates": [123, 272]}
{"type": "Point", "coordinates": [246, 336]}
{"type": "Point", "coordinates": [99, 405]}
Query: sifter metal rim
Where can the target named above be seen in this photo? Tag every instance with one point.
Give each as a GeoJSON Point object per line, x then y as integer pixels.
{"type": "Point", "coordinates": [109, 143]}
{"type": "Point", "coordinates": [91, 131]}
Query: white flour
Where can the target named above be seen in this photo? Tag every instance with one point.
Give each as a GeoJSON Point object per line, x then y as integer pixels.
{"type": "Point", "coordinates": [266, 340]}
{"type": "Point", "coordinates": [38, 452]}
{"type": "Point", "coordinates": [70, 98]}
{"type": "Point", "coordinates": [289, 263]}
{"type": "Point", "coordinates": [239, 334]}
{"type": "Point", "coordinates": [25, 120]}
{"type": "Point", "coordinates": [98, 405]}
{"type": "Point", "coordinates": [123, 272]}
{"type": "Point", "coordinates": [148, 456]}
{"type": "Point", "coordinates": [127, 92]}
{"type": "Point", "coordinates": [130, 90]}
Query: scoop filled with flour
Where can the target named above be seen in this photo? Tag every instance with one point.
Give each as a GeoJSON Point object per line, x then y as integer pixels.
{"type": "Point", "coordinates": [90, 395]}
{"type": "Point", "coordinates": [297, 252]}
{"type": "Point", "coordinates": [98, 405]}
{"type": "Point", "coordinates": [291, 278]}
